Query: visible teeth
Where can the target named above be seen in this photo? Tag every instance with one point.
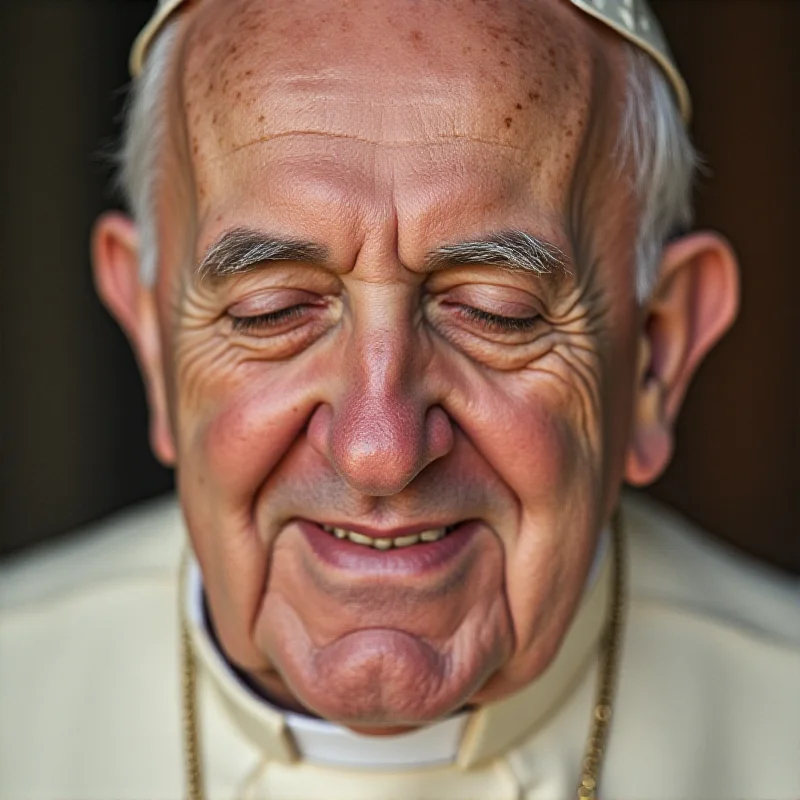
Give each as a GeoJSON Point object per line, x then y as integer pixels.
{"type": "Point", "coordinates": [406, 541]}
{"type": "Point", "coordinates": [359, 538]}
{"type": "Point", "coordinates": [385, 542]}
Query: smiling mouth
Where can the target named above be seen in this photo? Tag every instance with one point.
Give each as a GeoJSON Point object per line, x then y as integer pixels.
{"type": "Point", "coordinates": [387, 542]}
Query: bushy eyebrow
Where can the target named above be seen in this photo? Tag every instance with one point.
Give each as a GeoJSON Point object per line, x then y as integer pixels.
{"type": "Point", "coordinates": [240, 250]}
{"type": "Point", "coordinates": [514, 250]}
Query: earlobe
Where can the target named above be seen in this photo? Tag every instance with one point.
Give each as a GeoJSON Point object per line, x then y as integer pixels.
{"type": "Point", "coordinates": [650, 448]}
{"type": "Point", "coordinates": [694, 303]}
{"type": "Point", "coordinates": [115, 258]}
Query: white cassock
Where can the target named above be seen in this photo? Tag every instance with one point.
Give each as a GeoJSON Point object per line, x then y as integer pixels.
{"type": "Point", "coordinates": [707, 704]}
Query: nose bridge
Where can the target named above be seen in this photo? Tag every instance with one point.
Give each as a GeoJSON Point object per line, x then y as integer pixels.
{"type": "Point", "coordinates": [384, 358]}
{"type": "Point", "coordinates": [378, 436]}
{"type": "Point", "coordinates": [382, 361]}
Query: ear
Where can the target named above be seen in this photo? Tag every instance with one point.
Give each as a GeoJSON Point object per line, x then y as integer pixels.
{"type": "Point", "coordinates": [115, 256]}
{"type": "Point", "coordinates": [694, 303]}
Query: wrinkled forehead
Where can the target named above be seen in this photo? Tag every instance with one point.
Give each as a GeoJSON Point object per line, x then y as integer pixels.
{"type": "Point", "coordinates": [515, 79]}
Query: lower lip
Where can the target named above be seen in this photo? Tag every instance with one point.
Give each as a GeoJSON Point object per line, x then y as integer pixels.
{"type": "Point", "coordinates": [416, 559]}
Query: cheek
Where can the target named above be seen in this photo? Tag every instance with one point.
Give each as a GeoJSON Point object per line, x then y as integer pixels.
{"type": "Point", "coordinates": [244, 423]}
{"type": "Point", "coordinates": [245, 434]}
{"type": "Point", "coordinates": [524, 427]}
{"type": "Point", "coordinates": [542, 431]}
{"type": "Point", "coordinates": [230, 444]}
{"type": "Point", "coordinates": [554, 479]}
{"type": "Point", "coordinates": [546, 452]}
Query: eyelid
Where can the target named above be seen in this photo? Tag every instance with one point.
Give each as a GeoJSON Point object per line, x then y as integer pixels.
{"type": "Point", "coordinates": [498, 301]}
{"type": "Point", "coordinates": [270, 302]}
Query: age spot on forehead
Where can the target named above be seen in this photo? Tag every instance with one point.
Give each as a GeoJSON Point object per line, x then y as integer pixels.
{"type": "Point", "coordinates": [516, 74]}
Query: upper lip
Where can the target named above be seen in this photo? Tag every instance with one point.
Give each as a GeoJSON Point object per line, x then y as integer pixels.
{"type": "Point", "coordinates": [391, 533]}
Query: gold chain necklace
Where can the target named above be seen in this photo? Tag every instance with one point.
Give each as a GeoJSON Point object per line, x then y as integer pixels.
{"type": "Point", "coordinates": [601, 714]}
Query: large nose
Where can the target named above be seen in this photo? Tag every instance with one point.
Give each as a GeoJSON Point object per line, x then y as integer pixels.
{"type": "Point", "coordinates": [385, 426]}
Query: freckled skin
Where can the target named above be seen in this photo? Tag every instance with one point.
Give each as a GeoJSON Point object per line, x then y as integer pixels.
{"type": "Point", "coordinates": [382, 131]}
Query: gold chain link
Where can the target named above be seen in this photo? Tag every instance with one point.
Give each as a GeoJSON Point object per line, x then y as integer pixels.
{"type": "Point", "coordinates": [607, 672]}
{"type": "Point", "coordinates": [191, 730]}
{"type": "Point", "coordinates": [601, 716]}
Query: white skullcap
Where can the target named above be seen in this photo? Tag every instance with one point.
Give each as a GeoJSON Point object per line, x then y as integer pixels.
{"type": "Point", "coordinates": [633, 19]}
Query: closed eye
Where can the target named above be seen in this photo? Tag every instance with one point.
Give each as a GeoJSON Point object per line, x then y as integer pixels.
{"type": "Point", "coordinates": [496, 322]}
{"type": "Point", "coordinates": [272, 319]}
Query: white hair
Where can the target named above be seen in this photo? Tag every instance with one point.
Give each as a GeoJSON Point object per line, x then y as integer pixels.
{"type": "Point", "coordinates": [144, 141]}
{"type": "Point", "coordinates": [652, 137]}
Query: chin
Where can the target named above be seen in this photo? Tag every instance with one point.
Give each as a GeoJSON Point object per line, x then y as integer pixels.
{"type": "Point", "coordinates": [382, 678]}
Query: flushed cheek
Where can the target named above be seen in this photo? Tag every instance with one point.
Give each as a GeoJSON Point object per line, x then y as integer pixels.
{"type": "Point", "coordinates": [529, 428]}
{"type": "Point", "coordinates": [550, 556]}
{"type": "Point", "coordinates": [230, 444]}
{"type": "Point", "coordinates": [547, 455]}
{"type": "Point", "coordinates": [556, 477]}
{"type": "Point", "coordinates": [542, 596]}
{"type": "Point", "coordinates": [245, 426]}
{"type": "Point", "coordinates": [525, 436]}
{"type": "Point", "coordinates": [557, 480]}
{"type": "Point", "coordinates": [547, 570]}
{"type": "Point", "coordinates": [547, 560]}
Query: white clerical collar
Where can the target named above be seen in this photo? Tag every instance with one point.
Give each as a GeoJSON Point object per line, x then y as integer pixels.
{"type": "Point", "coordinates": [318, 741]}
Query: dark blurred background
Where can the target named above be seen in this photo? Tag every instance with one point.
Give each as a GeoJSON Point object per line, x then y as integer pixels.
{"type": "Point", "coordinates": [73, 420]}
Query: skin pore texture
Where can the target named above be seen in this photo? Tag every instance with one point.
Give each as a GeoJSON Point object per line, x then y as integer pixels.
{"type": "Point", "coordinates": [362, 385]}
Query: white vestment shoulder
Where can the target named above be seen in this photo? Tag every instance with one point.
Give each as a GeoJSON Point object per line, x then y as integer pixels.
{"type": "Point", "coordinates": [708, 701]}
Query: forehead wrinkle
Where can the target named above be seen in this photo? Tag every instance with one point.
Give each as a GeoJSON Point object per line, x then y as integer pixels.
{"type": "Point", "coordinates": [538, 130]}
{"type": "Point", "coordinates": [441, 139]}
{"type": "Point", "coordinates": [279, 68]}
{"type": "Point", "coordinates": [327, 108]}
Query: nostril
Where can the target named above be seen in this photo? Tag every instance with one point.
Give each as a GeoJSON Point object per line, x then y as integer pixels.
{"type": "Point", "coordinates": [318, 429]}
{"type": "Point", "coordinates": [439, 434]}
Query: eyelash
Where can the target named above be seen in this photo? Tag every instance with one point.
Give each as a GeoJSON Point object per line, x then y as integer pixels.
{"type": "Point", "coordinates": [483, 318]}
{"type": "Point", "coordinates": [497, 322]}
{"type": "Point", "coordinates": [245, 324]}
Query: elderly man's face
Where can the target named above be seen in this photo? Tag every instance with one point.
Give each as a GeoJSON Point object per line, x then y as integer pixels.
{"type": "Point", "coordinates": [332, 364]}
